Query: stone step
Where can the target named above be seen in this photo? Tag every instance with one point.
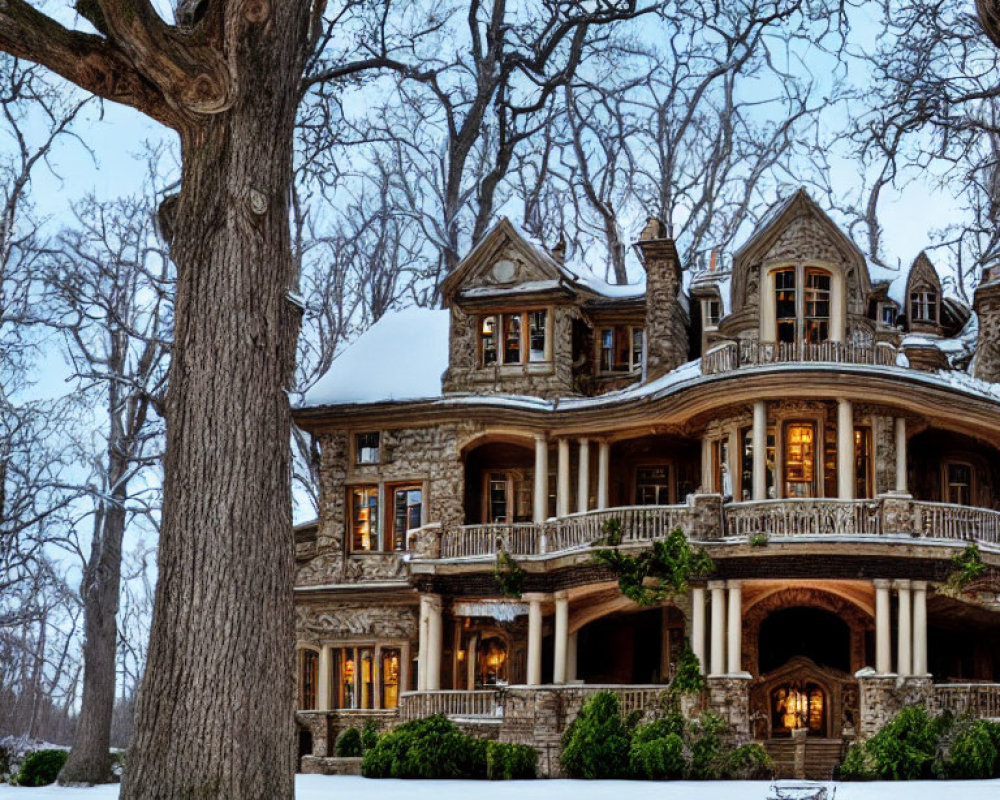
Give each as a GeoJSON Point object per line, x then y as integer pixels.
{"type": "Point", "coordinates": [821, 756]}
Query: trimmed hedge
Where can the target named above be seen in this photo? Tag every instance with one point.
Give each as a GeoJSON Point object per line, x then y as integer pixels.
{"type": "Point", "coordinates": [505, 762]}
{"type": "Point", "coordinates": [596, 744]}
{"type": "Point", "coordinates": [348, 744]}
{"type": "Point", "coordinates": [369, 736]}
{"type": "Point", "coordinates": [41, 768]}
{"type": "Point", "coordinates": [432, 747]}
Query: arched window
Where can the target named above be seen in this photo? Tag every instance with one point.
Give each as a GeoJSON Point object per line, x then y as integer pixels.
{"type": "Point", "coordinates": [802, 302]}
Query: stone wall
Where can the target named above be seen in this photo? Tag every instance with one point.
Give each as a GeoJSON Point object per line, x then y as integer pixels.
{"type": "Point", "coordinates": [729, 697]}
{"type": "Point", "coordinates": [986, 362]}
{"type": "Point", "coordinates": [540, 379]}
{"type": "Point", "coordinates": [326, 726]}
{"type": "Point", "coordinates": [884, 696]}
{"type": "Point", "coordinates": [666, 321]}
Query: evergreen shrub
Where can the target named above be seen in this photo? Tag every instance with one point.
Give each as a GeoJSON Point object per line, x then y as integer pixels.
{"type": "Point", "coordinates": [348, 744]}
{"type": "Point", "coordinates": [969, 751]}
{"type": "Point", "coordinates": [596, 744]}
{"type": "Point", "coordinates": [505, 762]}
{"type": "Point", "coordinates": [41, 768]}
{"type": "Point", "coordinates": [750, 762]}
{"type": "Point", "coordinates": [369, 736]}
{"type": "Point", "coordinates": [658, 759]}
{"type": "Point", "coordinates": [432, 747]}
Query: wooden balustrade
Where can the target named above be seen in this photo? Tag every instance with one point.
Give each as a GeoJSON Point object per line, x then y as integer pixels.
{"type": "Point", "coordinates": [976, 699]}
{"type": "Point", "coordinates": [804, 517]}
{"type": "Point", "coordinates": [727, 356]}
{"type": "Point", "coordinates": [486, 703]}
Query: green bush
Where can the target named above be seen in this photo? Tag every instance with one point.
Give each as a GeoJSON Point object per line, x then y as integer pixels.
{"type": "Point", "coordinates": [658, 759]}
{"type": "Point", "coordinates": [708, 753]}
{"type": "Point", "coordinates": [505, 762]}
{"type": "Point", "coordinates": [369, 736]}
{"type": "Point", "coordinates": [969, 750]}
{"type": "Point", "coordinates": [858, 765]}
{"type": "Point", "coordinates": [348, 744]}
{"type": "Point", "coordinates": [748, 763]}
{"type": "Point", "coordinates": [688, 677]}
{"type": "Point", "coordinates": [596, 744]}
{"type": "Point", "coordinates": [432, 747]}
{"type": "Point", "coordinates": [41, 768]}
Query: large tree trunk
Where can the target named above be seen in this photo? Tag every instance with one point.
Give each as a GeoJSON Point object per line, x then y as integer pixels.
{"type": "Point", "coordinates": [215, 711]}
{"type": "Point", "coordinates": [90, 760]}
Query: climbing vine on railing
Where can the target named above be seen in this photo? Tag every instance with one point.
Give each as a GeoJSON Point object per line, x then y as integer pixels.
{"type": "Point", "coordinates": [508, 575]}
{"type": "Point", "coordinates": [969, 568]}
{"type": "Point", "coordinates": [659, 572]}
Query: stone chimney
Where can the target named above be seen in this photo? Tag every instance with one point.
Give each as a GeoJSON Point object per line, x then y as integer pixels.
{"type": "Point", "coordinates": [986, 303]}
{"type": "Point", "coordinates": [558, 252]}
{"type": "Point", "coordinates": [666, 321]}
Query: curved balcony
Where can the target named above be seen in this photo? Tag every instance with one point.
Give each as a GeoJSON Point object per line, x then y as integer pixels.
{"type": "Point", "coordinates": [706, 519]}
{"type": "Point", "coordinates": [731, 355]}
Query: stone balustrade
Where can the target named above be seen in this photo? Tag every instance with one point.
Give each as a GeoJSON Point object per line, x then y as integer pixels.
{"type": "Point", "coordinates": [485, 703]}
{"type": "Point", "coordinates": [980, 700]}
{"type": "Point", "coordinates": [732, 355]}
{"type": "Point", "coordinates": [706, 519]}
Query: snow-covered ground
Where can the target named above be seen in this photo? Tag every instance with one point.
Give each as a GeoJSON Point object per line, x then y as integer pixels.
{"type": "Point", "coordinates": [320, 787]}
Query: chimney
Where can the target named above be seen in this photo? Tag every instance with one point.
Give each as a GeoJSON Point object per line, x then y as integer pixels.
{"type": "Point", "coordinates": [986, 303]}
{"type": "Point", "coordinates": [666, 321]}
{"type": "Point", "coordinates": [558, 252]}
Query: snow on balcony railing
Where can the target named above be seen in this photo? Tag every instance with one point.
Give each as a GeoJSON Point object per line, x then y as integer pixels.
{"type": "Point", "coordinates": [479, 703]}
{"type": "Point", "coordinates": [638, 524]}
{"type": "Point", "coordinates": [731, 355]}
{"type": "Point", "coordinates": [947, 521]}
{"type": "Point", "coordinates": [980, 700]}
{"type": "Point", "coordinates": [520, 538]}
{"type": "Point", "coordinates": [804, 517]}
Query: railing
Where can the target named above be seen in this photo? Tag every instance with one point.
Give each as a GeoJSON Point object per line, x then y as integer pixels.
{"type": "Point", "coordinates": [630, 698]}
{"type": "Point", "coordinates": [946, 521]}
{"type": "Point", "coordinates": [804, 517]}
{"type": "Point", "coordinates": [977, 699]}
{"type": "Point", "coordinates": [728, 356]}
{"type": "Point", "coordinates": [479, 703]}
{"type": "Point", "coordinates": [483, 540]}
{"type": "Point", "coordinates": [638, 524]}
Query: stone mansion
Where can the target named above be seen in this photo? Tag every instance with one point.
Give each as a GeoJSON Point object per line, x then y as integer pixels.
{"type": "Point", "coordinates": [827, 430]}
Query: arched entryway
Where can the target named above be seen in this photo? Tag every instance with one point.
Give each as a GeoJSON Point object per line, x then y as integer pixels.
{"type": "Point", "coordinates": [816, 633]}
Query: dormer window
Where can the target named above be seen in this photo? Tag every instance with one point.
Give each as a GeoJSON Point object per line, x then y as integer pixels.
{"type": "Point", "coordinates": [711, 313]}
{"type": "Point", "coordinates": [509, 338]}
{"type": "Point", "coordinates": [802, 316]}
{"type": "Point", "coordinates": [888, 315]}
{"type": "Point", "coordinates": [924, 306]}
{"type": "Point", "coordinates": [621, 348]}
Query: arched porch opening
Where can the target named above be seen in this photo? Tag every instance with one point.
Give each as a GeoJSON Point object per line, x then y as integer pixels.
{"type": "Point", "coordinates": [499, 481]}
{"type": "Point", "coordinates": [630, 647]}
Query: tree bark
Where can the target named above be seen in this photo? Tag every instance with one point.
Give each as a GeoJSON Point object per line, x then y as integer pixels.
{"type": "Point", "coordinates": [215, 710]}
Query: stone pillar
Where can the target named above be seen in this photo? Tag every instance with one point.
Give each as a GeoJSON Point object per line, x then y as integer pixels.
{"type": "Point", "coordinates": [666, 337]}
{"type": "Point", "coordinates": [729, 696]}
{"type": "Point", "coordinates": [534, 639]}
{"type": "Point", "coordinates": [571, 658]}
{"type": "Point", "coordinates": [845, 450]}
{"type": "Point", "coordinates": [735, 619]}
{"type": "Point", "coordinates": [718, 654]}
{"type": "Point", "coordinates": [562, 480]}
{"type": "Point", "coordinates": [883, 647]}
{"type": "Point", "coordinates": [471, 655]}
{"type": "Point", "coordinates": [434, 643]}
{"type": "Point", "coordinates": [541, 478]}
{"type": "Point", "coordinates": [583, 478]}
{"type": "Point", "coordinates": [760, 450]}
{"type": "Point", "coordinates": [603, 474]}
{"type": "Point", "coordinates": [901, 487]}
{"type": "Point", "coordinates": [904, 644]}
{"type": "Point", "coordinates": [919, 628]}
{"type": "Point", "coordinates": [560, 667]}
{"type": "Point", "coordinates": [707, 468]}
{"type": "Point", "coordinates": [986, 303]}
{"type": "Point", "coordinates": [698, 626]}
{"type": "Point", "coordinates": [323, 679]}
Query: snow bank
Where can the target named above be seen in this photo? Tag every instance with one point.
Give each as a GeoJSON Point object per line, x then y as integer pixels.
{"type": "Point", "coordinates": [400, 357]}
{"type": "Point", "coordinates": [321, 787]}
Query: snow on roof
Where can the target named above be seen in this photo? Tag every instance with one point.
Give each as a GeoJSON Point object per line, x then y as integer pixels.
{"type": "Point", "coordinates": [615, 290]}
{"type": "Point", "coordinates": [400, 357]}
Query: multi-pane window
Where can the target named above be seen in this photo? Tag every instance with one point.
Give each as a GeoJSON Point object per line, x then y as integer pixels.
{"type": "Point", "coordinates": [308, 678]}
{"type": "Point", "coordinates": [353, 677]}
{"type": "Point", "coordinates": [652, 486]}
{"type": "Point", "coordinates": [800, 459]}
{"type": "Point", "coordinates": [364, 518]}
{"type": "Point", "coordinates": [407, 504]}
{"type": "Point", "coordinates": [621, 348]}
{"type": "Point", "coordinates": [785, 305]}
{"type": "Point", "coordinates": [923, 306]}
{"type": "Point", "coordinates": [389, 684]}
{"type": "Point", "coordinates": [514, 338]}
{"type": "Point", "coordinates": [802, 316]}
{"type": "Point", "coordinates": [712, 313]}
{"type": "Point", "coordinates": [888, 315]}
{"type": "Point", "coordinates": [958, 484]}
{"type": "Point", "coordinates": [509, 496]}
{"type": "Point", "coordinates": [863, 462]}
{"type": "Point", "coordinates": [366, 447]}
{"type": "Point", "coordinates": [816, 324]}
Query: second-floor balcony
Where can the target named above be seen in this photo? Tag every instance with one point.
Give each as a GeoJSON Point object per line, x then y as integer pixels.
{"type": "Point", "coordinates": [731, 355]}
{"type": "Point", "coordinates": [707, 519]}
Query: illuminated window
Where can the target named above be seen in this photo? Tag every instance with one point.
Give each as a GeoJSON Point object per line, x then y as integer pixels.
{"type": "Point", "coordinates": [923, 306]}
{"type": "Point", "coordinates": [511, 338]}
{"type": "Point", "coordinates": [958, 484]}
{"type": "Point", "coordinates": [785, 305]}
{"type": "Point", "coordinates": [406, 513]}
{"type": "Point", "coordinates": [308, 674]}
{"type": "Point", "coordinates": [621, 348]}
{"type": "Point", "coordinates": [391, 660]}
{"type": "Point", "coordinates": [353, 678]}
{"type": "Point", "coordinates": [488, 340]}
{"type": "Point", "coordinates": [366, 447]}
{"type": "Point", "coordinates": [508, 338]}
{"type": "Point", "coordinates": [364, 518]}
{"type": "Point", "coordinates": [800, 459]}
{"type": "Point", "coordinates": [802, 316]}
{"type": "Point", "coordinates": [816, 325]}
{"type": "Point", "coordinates": [863, 463]}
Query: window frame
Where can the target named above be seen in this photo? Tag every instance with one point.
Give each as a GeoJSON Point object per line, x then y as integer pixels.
{"type": "Point", "coordinates": [503, 323]}
{"type": "Point", "coordinates": [358, 449]}
{"type": "Point", "coordinates": [804, 298]}
{"type": "Point", "coordinates": [946, 482]}
{"type": "Point", "coordinates": [926, 298]}
{"type": "Point", "coordinates": [372, 490]}
{"type": "Point", "coordinates": [514, 480]}
{"type": "Point", "coordinates": [621, 356]}
{"type": "Point", "coordinates": [389, 545]}
{"type": "Point", "coordinates": [308, 678]}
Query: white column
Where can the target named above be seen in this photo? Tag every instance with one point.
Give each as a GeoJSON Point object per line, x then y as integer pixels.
{"type": "Point", "coordinates": [707, 467]}
{"type": "Point", "coordinates": [560, 667]}
{"type": "Point", "coordinates": [571, 659]}
{"type": "Point", "coordinates": [735, 619]}
{"type": "Point", "coordinates": [901, 456]}
{"type": "Point", "coordinates": [883, 647]}
{"type": "Point", "coordinates": [434, 643]}
{"type": "Point", "coordinates": [323, 679]}
{"type": "Point", "coordinates": [845, 450]}
{"type": "Point", "coordinates": [919, 627]}
{"type": "Point", "coordinates": [422, 645]}
{"type": "Point", "coordinates": [603, 476]}
{"type": "Point", "coordinates": [534, 640]}
{"type": "Point", "coordinates": [583, 477]}
{"type": "Point", "coordinates": [718, 654]}
{"type": "Point", "coordinates": [698, 626]}
{"type": "Point", "coordinates": [760, 450]}
{"type": "Point", "coordinates": [471, 656]}
{"type": "Point", "coordinates": [562, 479]}
{"type": "Point", "coordinates": [541, 478]}
{"type": "Point", "coordinates": [904, 644]}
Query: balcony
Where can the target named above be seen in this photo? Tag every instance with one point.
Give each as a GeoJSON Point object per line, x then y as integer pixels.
{"type": "Point", "coordinates": [731, 355]}
{"type": "Point", "coordinates": [707, 520]}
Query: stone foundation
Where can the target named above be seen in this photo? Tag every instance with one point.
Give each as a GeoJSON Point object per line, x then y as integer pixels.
{"type": "Point", "coordinates": [884, 696]}
{"type": "Point", "coordinates": [729, 697]}
{"type": "Point", "coordinates": [314, 765]}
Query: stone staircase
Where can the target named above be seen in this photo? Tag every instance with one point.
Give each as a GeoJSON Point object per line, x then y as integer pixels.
{"type": "Point", "coordinates": [821, 756]}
